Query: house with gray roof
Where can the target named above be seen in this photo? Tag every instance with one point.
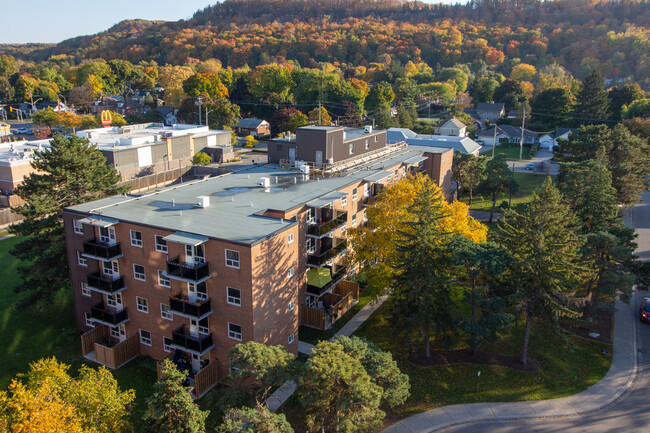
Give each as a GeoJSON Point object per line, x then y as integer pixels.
{"type": "Point", "coordinates": [458, 144]}
{"type": "Point", "coordinates": [509, 133]}
{"type": "Point", "coordinates": [451, 127]}
{"type": "Point", "coordinates": [490, 111]}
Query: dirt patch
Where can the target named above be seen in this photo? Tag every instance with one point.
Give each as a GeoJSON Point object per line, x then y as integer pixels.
{"type": "Point", "coordinates": [465, 356]}
{"type": "Point", "coordinates": [602, 323]}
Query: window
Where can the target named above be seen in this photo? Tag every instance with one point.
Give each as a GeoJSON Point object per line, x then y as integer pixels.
{"type": "Point", "coordinates": [202, 325]}
{"type": "Point", "coordinates": [355, 193]}
{"type": "Point", "coordinates": [403, 171]}
{"type": "Point", "coordinates": [143, 304]}
{"type": "Point", "coordinates": [89, 320]}
{"type": "Point", "coordinates": [311, 245]}
{"type": "Point", "coordinates": [161, 244]}
{"type": "Point", "coordinates": [114, 301]}
{"type": "Point", "coordinates": [366, 189]}
{"type": "Point", "coordinates": [311, 215]}
{"type": "Point", "coordinates": [290, 238]}
{"type": "Point", "coordinates": [78, 227]}
{"type": "Point", "coordinates": [167, 344]}
{"type": "Point", "coordinates": [138, 273]}
{"type": "Point", "coordinates": [198, 291]}
{"type": "Point", "coordinates": [107, 235]}
{"type": "Point", "coordinates": [354, 220]}
{"type": "Point", "coordinates": [344, 201]}
{"type": "Point", "coordinates": [136, 238]}
{"type": "Point", "coordinates": [81, 260]}
{"type": "Point", "coordinates": [351, 148]}
{"type": "Point", "coordinates": [234, 296]}
{"type": "Point", "coordinates": [197, 252]}
{"type": "Point", "coordinates": [290, 307]}
{"type": "Point", "coordinates": [145, 337]}
{"type": "Point", "coordinates": [232, 259]}
{"type": "Point", "coordinates": [291, 338]}
{"type": "Point", "coordinates": [234, 331]}
{"type": "Point", "coordinates": [165, 312]}
{"type": "Point", "coordinates": [367, 145]}
{"type": "Point", "coordinates": [111, 268]}
{"type": "Point", "coordinates": [389, 179]}
{"type": "Point", "coordinates": [118, 331]}
{"type": "Point", "coordinates": [163, 281]}
{"type": "Point", "coordinates": [290, 272]}
{"type": "Point", "coordinates": [84, 289]}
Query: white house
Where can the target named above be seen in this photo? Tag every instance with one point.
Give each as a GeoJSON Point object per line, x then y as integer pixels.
{"type": "Point", "coordinates": [549, 140]}
{"type": "Point", "coordinates": [451, 127]}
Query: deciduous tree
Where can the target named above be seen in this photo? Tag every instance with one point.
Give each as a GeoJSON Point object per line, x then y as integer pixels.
{"type": "Point", "coordinates": [498, 178]}
{"type": "Point", "coordinates": [256, 419]}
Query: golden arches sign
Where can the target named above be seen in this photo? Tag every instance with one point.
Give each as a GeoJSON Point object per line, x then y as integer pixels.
{"type": "Point", "coordinates": [107, 119]}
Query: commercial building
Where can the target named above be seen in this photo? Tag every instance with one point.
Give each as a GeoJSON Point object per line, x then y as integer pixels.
{"type": "Point", "coordinates": [190, 271]}
{"type": "Point", "coordinates": [15, 162]}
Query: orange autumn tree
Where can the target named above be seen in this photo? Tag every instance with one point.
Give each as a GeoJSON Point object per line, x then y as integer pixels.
{"type": "Point", "coordinates": [374, 245]}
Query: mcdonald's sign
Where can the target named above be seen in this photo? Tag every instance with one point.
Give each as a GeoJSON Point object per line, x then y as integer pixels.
{"type": "Point", "coordinates": [107, 120]}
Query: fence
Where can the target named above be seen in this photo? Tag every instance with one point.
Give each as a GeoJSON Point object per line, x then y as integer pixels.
{"type": "Point", "coordinates": [159, 363]}
{"type": "Point", "coordinates": [156, 179]}
{"type": "Point", "coordinates": [11, 200]}
{"type": "Point", "coordinates": [312, 317]}
{"type": "Point", "coordinates": [206, 378]}
{"type": "Point", "coordinates": [88, 340]}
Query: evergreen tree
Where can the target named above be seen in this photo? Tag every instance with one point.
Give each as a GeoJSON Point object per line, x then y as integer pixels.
{"type": "Point", "coordinates": [480, 265]}
{"type": "Point", "coordinates": [256, 419]}
{"type": "Point", "coordinates": [498, 178]}
{"type": "Point", "coordinates": [421, 298]}
{"type": "Point", "coordinates": [171, 408]}
{"type": "Point", "coordinates": [381, 368]}
{"type": "Point", "coordinates": [337, 393]}
{"type": "Point", "coordinates": [468, 171]}
{"type": "Point", "coordinates": [592, 103]}
{"type": "Point", "coordinates": [545, 263]}
{"type": "Point", "coordinates": [70, 172]}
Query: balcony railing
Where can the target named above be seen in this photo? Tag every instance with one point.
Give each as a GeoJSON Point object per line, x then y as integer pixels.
{"type": "Point", "coordinates": [184, 341]}
{"type": "Point", "coordinates": [100, 314]}
{"type": "Point", "coordinates": [194, 272]}
{"type": "Point", "coordinates": [338, 276]}
{"type": "Point", "coordinates": [324, 256]}
{"type": "Point", "coordinates": [180, 304]}
{"type": "Point", "coordinates": [103, 284]}
{"type": "Point", "coordinates": [101, 250]}
{"type": "Point", "coordinates": [323, 228]}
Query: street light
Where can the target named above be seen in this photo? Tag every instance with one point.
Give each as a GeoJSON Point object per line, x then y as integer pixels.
{"type": "Point", "coordinates": [206, 117]}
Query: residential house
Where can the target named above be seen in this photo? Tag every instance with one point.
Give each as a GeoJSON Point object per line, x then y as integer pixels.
{"type": "Point", "coordinates": [549, 140]}
{"type": "Point", "coordinates": [118, 105]}
{"type": "Point", "coordinates": [509, 133]}
{"type": "Point", "coordinates": [253, 126]}
{"type": "Point", "coordinates": [188, 272]}
{"type": "Point", "coordinates": [490, 111]}
{"type": "Point", "coordinates": [169, 114]}
{"type": "Point", "coordinates": [451, 127]}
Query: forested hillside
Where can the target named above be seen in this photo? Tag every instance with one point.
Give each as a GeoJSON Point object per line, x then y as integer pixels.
{"type": "Point", "coordinates": [579, 35]}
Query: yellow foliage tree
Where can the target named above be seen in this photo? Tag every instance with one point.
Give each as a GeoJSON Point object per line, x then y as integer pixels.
{"type": "Point", "coordinates": [523, 72]}
{"type": "Point", "coordinates": [375, 244]}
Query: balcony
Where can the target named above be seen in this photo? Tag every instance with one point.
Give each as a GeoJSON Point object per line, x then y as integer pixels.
{"type": "Point", "coordinates": [192, 272]}
{"type": "Point", "coordinates": [182, 306]}
{"type": "Point", "coordinates": [101, 314]}
{"type": "Point", "coordinates": [322, 228]}
{"type": "Point", "coordinates": [330, 250]}
{"type": "Point", "coordinates": [102, 251]}
{"type": "Point", "coordinates": [317, 289]}
{"type": "Point", "coordinates": [197, 345]}
{"type": "Point", "coordinates": [103, 284]}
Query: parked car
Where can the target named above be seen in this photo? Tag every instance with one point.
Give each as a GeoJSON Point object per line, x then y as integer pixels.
{"type": "Point", "coordinates": [645, 310]}
{"type": "Point", "coordinates": [20, 131]}
{"type": "Point", "coordinates": [529, 166]}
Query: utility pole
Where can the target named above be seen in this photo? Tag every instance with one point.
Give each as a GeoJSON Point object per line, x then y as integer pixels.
{"type": "Point", "coordinates": [494, 143]}
{"type": "Point", "coordinates": [521, 142]}
{"type": "Point", "coordinates": [199, 102]}
{"type": "Point", "coordinates": [320, 121]}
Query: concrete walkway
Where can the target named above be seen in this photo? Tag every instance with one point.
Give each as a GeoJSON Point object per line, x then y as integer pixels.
{"type": "Point", "coordinates": [277, 399]}
{"type": "Point", "coordinates": [616, 382]}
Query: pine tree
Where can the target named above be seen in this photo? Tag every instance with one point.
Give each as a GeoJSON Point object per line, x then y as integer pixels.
{"type": "Point", "coordinates": [592, 103]}
{"type": "Point", "coordinates": [171, 409]}
{"type": "Point", "coordinates": [421, 298]}
{"type": "Point", "coordinates": [498, 178]}
{"type": "Point", "coordinates": [256, 419]}
{"type": "Point", "coordinates": [545, 263]}
{"type": "Point", "coordinates": [70, 172]}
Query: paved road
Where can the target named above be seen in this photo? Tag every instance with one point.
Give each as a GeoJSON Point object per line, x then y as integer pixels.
{"type": "Point", "coordinates": [631, 413]}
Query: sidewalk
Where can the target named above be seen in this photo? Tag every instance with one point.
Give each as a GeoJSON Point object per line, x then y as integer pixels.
{"type": "Point", "coordinates": [615, 383]}
{"type": "Point", "coordinates": [277, 399]}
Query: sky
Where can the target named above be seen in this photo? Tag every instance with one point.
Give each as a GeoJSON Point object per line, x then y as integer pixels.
{"type": "Point", "coordinates": [51, 21]}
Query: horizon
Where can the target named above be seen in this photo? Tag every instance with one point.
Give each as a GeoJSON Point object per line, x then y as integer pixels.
{"type": "Point", "coordinates": [93, 19]}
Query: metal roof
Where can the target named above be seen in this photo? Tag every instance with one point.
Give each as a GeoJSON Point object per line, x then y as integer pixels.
{"type": "Point", "coordinates": [186, 238]}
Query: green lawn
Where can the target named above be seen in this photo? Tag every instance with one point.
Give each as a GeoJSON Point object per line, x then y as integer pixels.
{"type": "Point", "coordinates": [512, 152]}
{"type": "Point", "coordinates": [26, 336]}
{"type": "Point", "coordinates": [528, 183]}
{"type": "Point", "coordinates": [313, 336]}
{"type": "Point", "coordinates": [562, 372]}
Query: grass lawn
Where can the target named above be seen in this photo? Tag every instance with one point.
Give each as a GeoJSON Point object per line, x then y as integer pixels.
{"type": "Point", "coordinates": [562, 372]}
{"type": "Point", "coordinates": [512, 152]}
{"type": "Point", "coordinates": [313, 336]}
{"type": "Point", "coordinates": [35, 333]}
{"type": "Point", "coordinates": [528, 183]}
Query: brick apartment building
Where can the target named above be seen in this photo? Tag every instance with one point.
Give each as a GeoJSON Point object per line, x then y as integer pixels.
{"type": "Point", "coordinates": [188, 272]}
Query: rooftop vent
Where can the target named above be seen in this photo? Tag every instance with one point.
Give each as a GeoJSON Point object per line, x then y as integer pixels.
{"type": "Point", "coordinates": [265, 182]}
{"type": "Point", "coordinates": [304, 169]}
{"type": "Point", "coordinates": [368, 129]}
{"type": "Point", "coordinates": [203, 201]}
